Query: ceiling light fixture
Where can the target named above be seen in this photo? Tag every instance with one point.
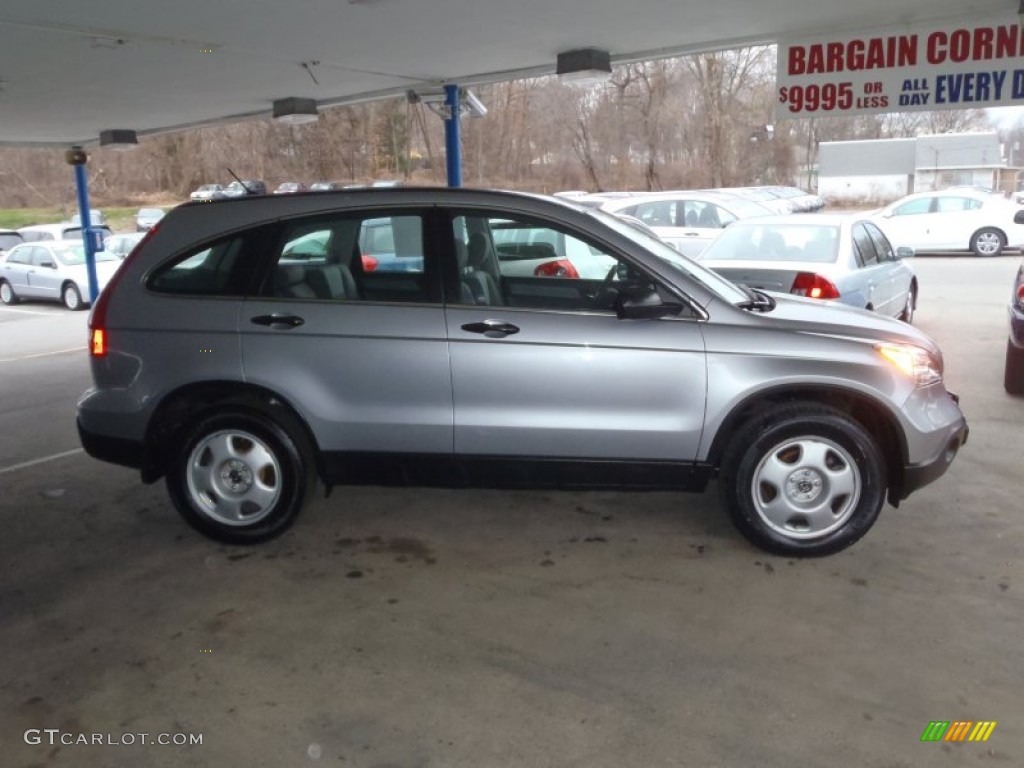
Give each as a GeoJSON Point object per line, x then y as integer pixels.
{"type": "Point", "coordinates": [295, 111]}
{"type": "Point", "coordinates": [586, 66]}
{"type": "Point", "coordinates": [119, 138]}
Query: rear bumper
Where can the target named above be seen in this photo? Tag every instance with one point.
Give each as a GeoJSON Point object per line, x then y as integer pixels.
{"type": "Point", "coordinates": [116, 450]}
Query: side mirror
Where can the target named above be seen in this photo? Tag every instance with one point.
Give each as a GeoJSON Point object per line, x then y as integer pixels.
{"type": "Point", "coordinates": [48, 264]}
{"type": "Point", "coordinates": [644, 304]}
{"type": "Point", "coordinates": [904, 252]}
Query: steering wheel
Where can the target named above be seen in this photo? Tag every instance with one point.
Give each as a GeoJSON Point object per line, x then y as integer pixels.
{"type": "Point", "coordinates": [603, 295]}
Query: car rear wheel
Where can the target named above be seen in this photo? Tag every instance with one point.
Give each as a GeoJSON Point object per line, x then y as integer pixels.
{"type": "Point", "coordinates": [803, 479]}
{"type": "Point", "coordinates": [988, 242]}
{"type": "Point", "coordinates": [239, 478]}
{"type": "Point", "coordinates": [71, 297]}
{"type": "Point", "coordinates": [7, 294]}
{"type": "Point", "coordinates": [1013, 377]}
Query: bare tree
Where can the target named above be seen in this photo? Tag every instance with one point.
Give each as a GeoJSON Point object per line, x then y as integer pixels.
{"type": "Point", "coordinates": [721, 79]}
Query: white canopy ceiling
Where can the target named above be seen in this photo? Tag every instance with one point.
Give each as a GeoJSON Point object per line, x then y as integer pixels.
{"type": "Point", "coordinates": [72, 68]}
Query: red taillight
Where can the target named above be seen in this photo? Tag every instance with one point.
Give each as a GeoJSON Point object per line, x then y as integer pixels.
{"type": "Point", "coordinates": [369, 263]}
{"type": "Point", "coordinates": [1020, 294]}
{"type": "Point", "coordinates": [559, 268]}
{"type": "Point", "coordinates": [814, 286]}
{"type": "Point", "coordinates": [99, 341]}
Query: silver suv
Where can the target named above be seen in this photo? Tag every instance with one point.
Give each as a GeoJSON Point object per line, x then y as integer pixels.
{"type": "Point", "coordinates": [247, 350]}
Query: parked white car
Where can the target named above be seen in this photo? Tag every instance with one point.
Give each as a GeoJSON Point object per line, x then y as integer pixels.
{"type": "Point", "coordinates": [54, 270]}
{"type": "Point", "coordinates": [62, 231]}
{"type": "Point", "coordinates": [688, 221]}
{"type": "Point", "coordinates": [953, 220]}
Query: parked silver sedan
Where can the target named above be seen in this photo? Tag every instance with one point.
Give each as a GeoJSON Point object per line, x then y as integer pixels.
{"type": "Point", "coordinates": [55, 270]}
{"type": "Point", "coordinates": [821, 256]}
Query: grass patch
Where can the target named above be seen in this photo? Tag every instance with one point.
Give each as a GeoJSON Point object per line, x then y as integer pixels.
{"type": "Point", "coordinates": [118, 219]}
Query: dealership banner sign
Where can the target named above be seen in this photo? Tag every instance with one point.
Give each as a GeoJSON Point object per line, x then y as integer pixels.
{"type": "Point", "coordinates": [958, 66]}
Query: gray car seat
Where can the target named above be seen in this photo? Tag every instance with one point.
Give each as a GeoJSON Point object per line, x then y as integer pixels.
{"type": "Point", "coordinates": [482, 276]}
{"type": "Point", "coordinates": [332, 281]}
{"type": "Point", "coordinates": [290, 283]}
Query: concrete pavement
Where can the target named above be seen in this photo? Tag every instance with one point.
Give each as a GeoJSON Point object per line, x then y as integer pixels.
{"type": "Point", "coordinates": [410, 628]}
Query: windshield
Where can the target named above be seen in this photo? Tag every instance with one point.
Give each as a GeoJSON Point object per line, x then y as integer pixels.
{"type": "Point", "coordinates": [74, 255]}
{"type": "Point", "coordinates": [713, 282]}
{"type": "Point", "coordinates": [775, 242]}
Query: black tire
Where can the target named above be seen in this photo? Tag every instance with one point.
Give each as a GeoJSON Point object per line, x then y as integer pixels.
{"type": "Point", "coordinates": [253, 491]}
{"type": "Point", "coordinates": [1013, 377]}
{"type": "Point", "coordinates": [71, 297]}
{"type": "Point", "coordinates": [907, 315]}
{"type": "Point", "coordinates": [7, 294]}
{"type": "Point", "coordinates": [832, 474]}
{"type": "Point", "coordinates": [988, 242]}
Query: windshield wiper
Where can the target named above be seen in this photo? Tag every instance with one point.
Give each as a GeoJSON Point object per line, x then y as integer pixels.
{"type": "Point", "coordinates": [759, 301]}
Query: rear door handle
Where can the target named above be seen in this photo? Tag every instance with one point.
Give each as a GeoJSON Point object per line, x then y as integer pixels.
{"type": "Point", "coordinates": [278, 321]}
{"type": "Point", "coordinates": [492, 329]}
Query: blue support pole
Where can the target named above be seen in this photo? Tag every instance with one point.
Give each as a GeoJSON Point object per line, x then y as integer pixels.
{"type": "Point", "coordinates": [82, 186]}
{"type": "Point", "coordinates": [452, 142]}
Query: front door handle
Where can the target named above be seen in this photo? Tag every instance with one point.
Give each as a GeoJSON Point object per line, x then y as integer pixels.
{"type": "Point", "coordinates": [278, 321]}
{"type": "Point", "coordinates": [492, 329]}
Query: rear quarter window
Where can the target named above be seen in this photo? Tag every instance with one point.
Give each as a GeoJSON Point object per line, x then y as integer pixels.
{"type": "Point", "coordinates": [224, 268]}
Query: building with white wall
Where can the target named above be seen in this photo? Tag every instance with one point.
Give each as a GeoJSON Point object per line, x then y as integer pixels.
{"type": "Point", "coordinates": [875, 172]}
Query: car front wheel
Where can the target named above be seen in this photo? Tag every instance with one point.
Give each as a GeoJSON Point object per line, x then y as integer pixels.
{"type": "Point", "coordinates": [239, 478]}
{"type": "Point", "coordinates": [803, 479]}
{"type": "Point", "coordinates": [988, 242]}
{"type": "Point", "coordinates": [7, 295]}
{"type": "Point", "coordinates": [1013, 377]}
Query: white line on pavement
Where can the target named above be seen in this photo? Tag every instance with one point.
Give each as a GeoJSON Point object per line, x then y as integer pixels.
{"type": "Point", "coordinates": [42, 354]}
{"type": "Point", "coordinates": [28, 312]}
{"type": "Point", "coordinates": [43, 460]}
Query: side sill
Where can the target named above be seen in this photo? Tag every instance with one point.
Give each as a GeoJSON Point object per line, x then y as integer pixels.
{"type": "Point", "coordinates": [431, 470]}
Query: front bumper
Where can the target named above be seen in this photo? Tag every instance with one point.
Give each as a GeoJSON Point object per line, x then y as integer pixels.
{"type": "Point", "coordinates": [917, 476]}
{"type": "Point", "coordinates": [1016, 326]}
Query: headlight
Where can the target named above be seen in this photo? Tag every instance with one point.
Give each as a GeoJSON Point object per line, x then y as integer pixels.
{"type": "Point", "coordinates": [913, 362]}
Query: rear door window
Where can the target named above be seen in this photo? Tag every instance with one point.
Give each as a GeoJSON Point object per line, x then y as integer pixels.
{"type": "Point", "coordinates": [353, 257]}
{"type": "Point", "coordinates": [882, 245]}
{"type": "Point", "coordinates": [864, 246]}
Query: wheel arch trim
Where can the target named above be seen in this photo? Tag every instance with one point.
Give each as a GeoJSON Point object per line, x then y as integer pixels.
{"type": "Point", "coordinates": [870, 412]}
{"type": "Point", "coordinates": [182, 406]}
